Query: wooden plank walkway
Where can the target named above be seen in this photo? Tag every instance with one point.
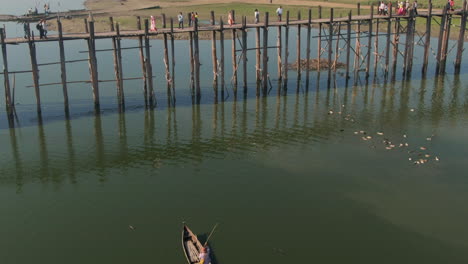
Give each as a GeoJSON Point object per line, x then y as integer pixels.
{"type": "Point", "coordinates": [139, 33]}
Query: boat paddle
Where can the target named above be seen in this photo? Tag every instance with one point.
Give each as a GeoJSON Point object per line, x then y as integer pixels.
{"type": "Point", "coordinates": [212, 231]}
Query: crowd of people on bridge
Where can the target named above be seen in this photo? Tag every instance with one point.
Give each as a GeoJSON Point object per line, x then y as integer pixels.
{"type": "Point", "coordinates": [403, 8]}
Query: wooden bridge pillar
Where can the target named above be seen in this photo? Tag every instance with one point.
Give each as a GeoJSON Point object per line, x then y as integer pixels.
{"type": "Point", "coordinates": [330, 47]}
{"type": "Point", "coordinates": [192, 67]}
{"type": "Point", "coordinates": [357, 58]}
{"type": "Point", "coordinates": [93, 65]}
{"type": "Point", "coordinates": [221, 62]}
{"type": "Point", "coordinates": [117, 63]}
{"type": "Point", "coordinates": [387, 47]}
{"type": "Point", "coordinates": [309, 26]}
{"type": "Point", "coordinates": [265, 56]}
{"type": "Point", "coordinates": [8, 101]}
{"type": "Point", "coordinates": [214, 59]}
{"type": "Point", "coordinates": [279, 43]}
{"type": "Point", "coordinates": [427, 42]}
{"type": "Point", "coordinates": [173, 62]}
{"type": "Point", "coordinates": [348, 46]}
{"type": "Point", "coordinates": [197, 61]}
{"type": "Point", "coordinates": [319, 39]}
{"type": "Point", "coordinates": [148, 67]}
{"type": "Point", "coordinates": [461, 39]}
{"type": "Point", "coordinates": [298, 50]}
{"type": "Point", "coordinates": [258, 61]}
{"type": "Point", "coordinates": [244, 54]}
{"type": "Point", "coordinates": [234, 58]}
{"type": "Point", "coordinates": [440, 67]}
{"type": "Point", "coordinates": [143, 64]}
{"type": "Point", "coordinates": [63, 69]}
{"type": "Point", "coordinates": [35, 71]}
{"type": "Point", "coordinates": [369, 43]}
{"type": "Point", "coordinates": [166, 62]}
{"type": "Point", "coordinates": [409, 48]}
{"type": "Point", "coordinates": [396, 42]}
{"type": "Point", "coordinates": [286, 54]}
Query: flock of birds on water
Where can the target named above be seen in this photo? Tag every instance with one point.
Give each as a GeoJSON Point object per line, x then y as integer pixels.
{"type": "Point", "coordinates": [417, 156]}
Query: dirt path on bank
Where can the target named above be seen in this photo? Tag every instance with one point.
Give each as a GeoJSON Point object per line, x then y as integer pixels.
{"type": "Point", "coordinates": [134, 5]}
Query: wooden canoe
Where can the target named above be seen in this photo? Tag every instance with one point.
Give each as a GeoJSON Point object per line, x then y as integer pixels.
{"type": "Point", "coordinates": [191, 245]}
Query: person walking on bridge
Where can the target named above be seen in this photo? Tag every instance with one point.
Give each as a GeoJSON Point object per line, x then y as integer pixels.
{"type": "Point", "coordinates": [190, 19]}
{"type": "Point", "coordinates": [230, 18]}
{"type": "Point", "coordinates": [44, 28]}
{"type": "Point", "coordinates": [279, 13]}
{"type": "Point", "coordinates": [257, 16]}
{"type": "Point", "coordinates": [180, 17]}
{"type": "Point", "coordinates": [26, 30]}
{"type": "Point", "coordinates": [153, 24]}
{"type": "Point", "coordinates": [415, 7]}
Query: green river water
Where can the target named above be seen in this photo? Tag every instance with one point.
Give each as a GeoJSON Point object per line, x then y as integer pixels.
{"type": "Point", "coordinates": [324, 176]}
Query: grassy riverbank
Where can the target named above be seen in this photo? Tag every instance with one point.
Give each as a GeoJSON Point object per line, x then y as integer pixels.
{"type": "Point", "coordinates": [125, 12]}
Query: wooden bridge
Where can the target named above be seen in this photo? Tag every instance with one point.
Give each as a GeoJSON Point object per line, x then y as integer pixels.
{"type": "Point", "coordinates": [331, 31]}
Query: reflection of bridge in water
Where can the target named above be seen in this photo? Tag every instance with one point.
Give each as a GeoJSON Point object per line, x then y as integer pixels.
{"type": "Point", "coordinates": [331, 31]}
{"type": "Point", "coordinates": [234, 128]}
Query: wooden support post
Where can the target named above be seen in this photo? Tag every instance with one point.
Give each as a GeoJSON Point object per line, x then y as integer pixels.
{"type": "Point", "coordinates": [337, 48]}
{"type": "Point", "coordinates": [86, 26]}
{"type": "Point", "coordinates": [387, 48]}
{"type": "Point", "coordinates": [93, 64]}
{"type": "Point", "coordinates": [309, 25]}
{"type": "Point", "coordinates": [192, 66]}
{"type": "Point", "coordinates": [319, 44]}
{"type": "Point", "coordinates": [244, 53]}
{"type": "Point", "coordinates": [142, 61]}
{"type": "Point", "coordinates": [35, 71]}
{"type": "Point", "coordinates": [265, 56]}
{"type": "Point", "coordinates": [396, 42]}
{"type": "Point", "coordinates": [286, 54]}
{"type": "Point", "coordinates": [298, 49]}
{"type": "Point", "coordinates": [348, 47]}
{"type": "Point", "coordinates": [407, 40]}
{"type": "Point", "coordinates": [119, 55]}
{"type": "Point", "coordinates": [427, 42]}
{"type": "Point", "coordinates": [173, 62]}
{"type": "Point", "coordinates": [257, 61]}
{"type": "Point", "coordinates": [166, 62]}
{"type": "Point", "coordinates": [197, 61]}
{"type": "Point", "coordinates": [411, 28]}
{"type": "Point", "coordinates": [117, 64]}
{"type": "Point", "coordinates": [445, 48]}
{"type": "Point", "coordinates": [279, 44]}
{"type": "Point", "coordinates": [357, 58]}
{"type": "Point", "coordinates": [461, 39]}
{"type": "Point", "coordinates": [221, 63]}
{"type": "Point", "coordinates": [369, 43]}
{"type": "Point", "coordinates": [330, 48]}
{"type": "Point", "coordinates": [376, 48]}
{"type": "Point", "coordinates": [63, 69]}
{"type": "Point", "coordinates": [441, 40]}
{"type": "Point", "coordinates": [214, 58]}
{"type": "Point", "coordinates": [149, 68]}
{"type": "Point", "coordinates": [8, 101]}
{"type": "Point", "coordinates": [234, 59]}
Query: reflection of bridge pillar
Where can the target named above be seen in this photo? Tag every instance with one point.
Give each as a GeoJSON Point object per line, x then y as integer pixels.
{"type": "Point", "coordinates": [71, 152]}
{"type": "Point", "coordinates": [43, 153]}
{"type": "Point", "coordinates": [100, 154]}
{"type": "Point", "coordinates": [17, 160]}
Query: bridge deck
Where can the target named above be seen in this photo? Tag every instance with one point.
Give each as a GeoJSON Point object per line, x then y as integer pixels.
{"type": "Point", "coordinates": [136, 33]}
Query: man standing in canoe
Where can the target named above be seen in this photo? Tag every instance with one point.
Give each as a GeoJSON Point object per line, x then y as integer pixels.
{"type": "Point", "coordinates": [205, 255]}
